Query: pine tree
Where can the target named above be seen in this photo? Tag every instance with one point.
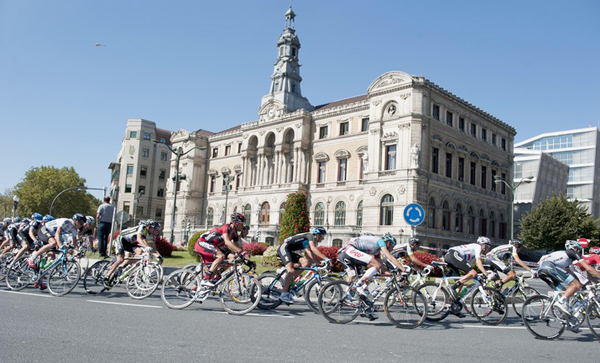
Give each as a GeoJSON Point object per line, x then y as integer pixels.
{"type": "Point", "coordinates": [295, 216]}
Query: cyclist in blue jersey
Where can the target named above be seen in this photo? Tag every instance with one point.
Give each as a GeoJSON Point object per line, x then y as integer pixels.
{"type": "Point", "coordinates": [288, 253]}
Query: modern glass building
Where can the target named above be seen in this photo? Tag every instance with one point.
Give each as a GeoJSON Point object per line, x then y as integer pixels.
{"type": "Point", "coordinates": [578, 149]}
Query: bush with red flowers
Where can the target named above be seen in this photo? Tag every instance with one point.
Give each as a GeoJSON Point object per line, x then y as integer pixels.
{"type": "Point", "coordinates": [428, 258]}
{"type": "Point", "coordinates": [332, 254]}
{"type": "Point", "coordinates": [255, 249]}
{"type": "Point", "coordinates": [164, 247]}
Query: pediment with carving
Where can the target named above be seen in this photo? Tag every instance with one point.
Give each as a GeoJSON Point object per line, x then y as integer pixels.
{"type": "Point", "coordinates": [341, 154]}
{"type": "Point", "coordinates": [321, 156]}
{"type": "Point", "coordinates": [390, 80]}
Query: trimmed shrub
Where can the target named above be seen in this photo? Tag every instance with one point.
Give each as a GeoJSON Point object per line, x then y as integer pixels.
{"type": "Point", "coordinates": [192, 242]}
{"type": "Point", "coordinates": [295, 216]}
{"type": "Point", "coordinates": [270, 258]}
{"type": "Point", "coordinates": [164, 247]}
{"type": "Point", "coordinates": [255, 249]}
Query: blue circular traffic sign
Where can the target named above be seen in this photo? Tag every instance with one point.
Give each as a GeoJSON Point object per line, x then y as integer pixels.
{"type": "Point", "coordinates": [414, 214]}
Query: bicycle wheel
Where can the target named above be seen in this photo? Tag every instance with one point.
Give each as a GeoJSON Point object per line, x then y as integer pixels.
{"type": "Point", "coordinates": [541, 319]}
{"type": "Point", "coordinates": [179, 289]}
{"type": "Point", "coordinates": [93, 280]}
{"type": "Point", "coordinates": [489, 306]}
{"type": "Point", "coordinates": [142, 282]}
{"type": "Point", "coordinates": [5, 261]}
{"type": "Point", "coordinates": [271, 289]}
{"type": "Point", "coordinates": [438, 301]}
{"type": "Point", "coordinates": [312, 290]}
{"type": "Point", "coordinates": [407, 307]}
{"type": "Point", "coordinates": [593, 317]}
{"type": "Point", "coordinates": [19, 274]}
{"type": "Point", "coordinates": [520, 295]}
{"type": "Point", "coordinates": [338, 302]}
{"type": "Point", "coordinates": [64, 277]}
{"type": "Point", "coordinates": [240, 293]}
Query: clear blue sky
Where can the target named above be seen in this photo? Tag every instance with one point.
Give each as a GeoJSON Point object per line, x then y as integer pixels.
{"type": "Point", "coordinates": [206, 64]}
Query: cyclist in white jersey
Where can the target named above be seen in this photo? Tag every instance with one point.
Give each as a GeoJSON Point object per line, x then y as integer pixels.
{"type": "Point", "coordinates": [497, 260]}
{"type": "Point", "coordinates": [51, 232]}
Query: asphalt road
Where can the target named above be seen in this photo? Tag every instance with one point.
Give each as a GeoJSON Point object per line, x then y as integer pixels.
{"type": "Point", "coordinates": [37, 327]}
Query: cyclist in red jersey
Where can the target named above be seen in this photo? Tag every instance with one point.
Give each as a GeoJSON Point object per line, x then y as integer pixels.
{"type": "Point", "coordinates": [214, 244]}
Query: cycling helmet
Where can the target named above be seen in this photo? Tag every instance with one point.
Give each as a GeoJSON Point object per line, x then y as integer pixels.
{"type": "Point", "coordinates": [573, 246]}
{"type": "Point", "coordinates": [17, 220]}
{"type": "Point", "coordinates": [388, 238]}
{"type": "Point", "coordinates": [89, 220]}
{"type": "Point", "coordinates": [414, 241]}
{"type": "Point", "coordinates": [79, 218]}
{"type": "Point", "coordinates": [595, 250]}
{"type": "Point", "coordinates": [484, 241]}
{"type": "Point", "coordinates": [7, 221]}
{"type": "Point", "coordinates": [318, 230]}
{"type": "Point", "coordinates": [36, 216]}
{"type": "Point", "coordinates": [515, 242]}
{"type": "Point", "coordinates": [238, 217]}
{"type": "Point", "coordinates": [48, 218]}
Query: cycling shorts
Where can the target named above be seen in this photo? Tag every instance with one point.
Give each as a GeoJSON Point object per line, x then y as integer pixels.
{"type": "Point", "coordinates": [557, 275]}
{"type": "Point", "coordinates": [45, 235]}
{"type": "Point", "coordinates": [286, 256]}
{"type": "Point", "coordinates": [13, 235]}
{"type": "Point", "coordinates": [206, 250]}
{"type": "Point", "coordinates": [124, 245]}
{"type": "Point", "coordinates": [24, 238]}
{"type": "Point", "coordinates": [456, 261]}
{"type": "Point", "coordinates": [580, 275]}
{"type": "Point", "coordinates": [351, 256]}
{"type": "Point", "coordinates": [496, 264]}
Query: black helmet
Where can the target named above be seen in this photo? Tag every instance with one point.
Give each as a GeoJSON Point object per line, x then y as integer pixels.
{"type": "Point", "coordinates": [318, 230]}
{"type": "Point", "coordinates": [238, 217]}
{"type": "Point", "coordinates": [79, 218]}
{"type": "Point", "coordinates": [414, 241]}
{"type": "Point", "coordinates": [515, 242]}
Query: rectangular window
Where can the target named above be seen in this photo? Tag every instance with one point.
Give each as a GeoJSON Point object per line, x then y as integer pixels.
{"type": "Point", "coordinates": [484, 177]}
{"type": "Point", "coordinates": [126, 207]}
{"type": "Point", "coordinates": [494, 139]}
{"type": "Point", "coordinates": [213, 183]}
{"type": "Point", "coordinates": [344, 128]}
{"type": "Point", "coordinates": [239, 147]}
{"type": "Point", "coordinates": [162, 174]}
{"type": "Point", "coordinates": [322, 132]}
{"type": "Point", "coordinates": [145, 153]}
{"type": "Point", "coordinates": [140, 211]}
{"type": "Point", "coordinates": [473, 171]}
{"type": "Point", "coordinates": [321, 172]}
{"type": "Point", "coordinates": [215, 152]}
{"type": "Point", "coordinates": [133, 134]}
{"type": "Point", "coordinates": [435, 112]}
{"type": "Point", "coordinates": [227, 150]}
{"type": "Point", "coordinates": [158, 213]}
{"type": "Point", "coordinates": [504, 144]}
{"type": "Point", "coordinates": [129, 169]}
{"type": "Point", "coordinates": [435, 160]}
{"type": "Point", "coordinates": [493, 185]}
{"type": "Point", "coordinates": [160, 193]}
{"type": "Point", "coordinates": [503, 187]}
{"type": "Point", "coordinates": [141, 189]}
{"type": "Point", "coordinates": [449, 165]}
{"type": "Point", "coordinates": [461, 169]}
{"type": "Point", "coordinates": [484, 134]}
{"type": "Point", "coordinates": [474, 130]}
{"type": "Point", "coordinates": [390, 159]}
{"type": "Point", "coordinates": [449, 118]}
{"type": "Point", "coordinates": [461, 124]}
{"type": "Point", "coordinates": [127, 188]}
{"type": "Point", "coordinates": [143, 171]}
{"type": "Point", "coordinates": [342, 163]}
{"type": "Point", "coordinates": [163, 156]}
{"type": "Point", "coordinates": [365, 124]}
{"type": "Point", "coordinates": [147, 136]}
{"type": "Point", "coordinates": [163, 141]}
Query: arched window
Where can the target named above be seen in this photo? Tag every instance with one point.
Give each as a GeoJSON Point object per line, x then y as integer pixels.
{"type": "Point", "coordinates": [281, 211]}
{"type": "Point", "coordinates": [319, 214]}
{"type": "Point", "coordinates": [445, 216]}
{"type": "Point", "coordinates": [431, 213]}
{"type": "Point", "coordinates": [337, 242]}
{"type": "Point", "coordinates": [502, 232]}
{"type": "Point", "coordinates": [209, 217]}
{"type": "Point", "coordinates": [386, 210]}
{"type": "Point", "coordinates": [265, 211]}
{"type": "Point", "coordinates": [492, 225]}
{"type": "Point", "coordinates": [458, 219]}
{"type": "Point", "coordinates": [471, 224]}
{"type": "Point", "coordinates": [248, 214]}
{"type": "Point", "coordinates": [340, 213]}
{"type": "Point", "coordinates": [359, 214]}
{"type": "Point", "coordinates": [483, 231]}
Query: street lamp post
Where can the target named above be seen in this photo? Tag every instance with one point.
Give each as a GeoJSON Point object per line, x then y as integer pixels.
{"type": "Point", "coordinates": [178, 153]}
{"type": "Point", "coordinates": [66, 190]}
{"type": "Point", "coordinates": [15, 205]}
{"type": "Point", "coordinates": [512, 187]}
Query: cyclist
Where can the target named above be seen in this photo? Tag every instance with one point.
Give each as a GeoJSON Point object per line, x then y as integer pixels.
{"type": "Point", "coordinates": [561, 269]}
{"type": "Point", "coordinates": [50, 234]}
{"type": "Point", "coordinates": [28, 233]}
{"type": "Point", "coordinates": [3, 232]}
{"type": "Point", "coordinates": [11, 235]}
{"type": "Point", "coordinates": [289, 254]}
{"type": "Point", "coordinates": [404, 250]}
{"type": "Point", "coordinates": [498, 257]}
{"type": "Point", "coordinates": [215, 245]}
{"type": "Point", "coordinates": [88, 232]}
{"type": "Point", "coordinates": [132, 241]}
{"type": "Point", "coordinates": [461, 258]}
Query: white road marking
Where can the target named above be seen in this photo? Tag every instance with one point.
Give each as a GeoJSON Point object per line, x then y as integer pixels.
{"type": "Point", "coordinates": [494, 327]}
{"type": "Point", "coordinates": [25, 293]}
{"type": "Point", "coordinates": [125, 304]}
{"type": "Point", "coordinates": [267, 315]}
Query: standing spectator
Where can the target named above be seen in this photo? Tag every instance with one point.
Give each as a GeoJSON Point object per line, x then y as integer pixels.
{"type": "Point", "coordinates": [104, 219]}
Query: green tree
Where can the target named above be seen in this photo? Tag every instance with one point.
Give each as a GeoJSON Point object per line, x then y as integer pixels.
{"type": "Point", "coordinates": [295, 216]}
{"type": "Point", "coordinates": [42, 184]}
{"type": "Point", "coordinates": [555, 220]}
{"type": "Point", "coordinates": [6, 203]}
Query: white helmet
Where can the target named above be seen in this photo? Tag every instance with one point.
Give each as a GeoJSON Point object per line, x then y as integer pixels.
{"type": "Point", "coordinates": [484, 241]}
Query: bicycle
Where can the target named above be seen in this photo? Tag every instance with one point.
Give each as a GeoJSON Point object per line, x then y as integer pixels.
{"type": "Point", "coordinates": [62, 274]}
{"type": "Point", "coordinates": [238, 289]}
{"type": "Point", "coordinates": [141, 279]}
{"type": "Point", "coordinates": [518, 292]}
{"type": "Point", "coordinates": [340, 302]}
{"type": "Point", "coordinates": [488, 305]}
{"type": "Point", "coordinates": [308, 285]}
{"type": "Point", "coordinates": [6, 260]}
{"type": "Point", "coordinates": [544, 319]}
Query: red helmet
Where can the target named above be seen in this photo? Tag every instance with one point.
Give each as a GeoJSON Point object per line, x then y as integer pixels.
{"type": "Point", "coordinates": [595, 250]}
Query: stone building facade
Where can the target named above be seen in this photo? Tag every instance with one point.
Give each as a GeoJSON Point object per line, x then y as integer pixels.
{"type": "Point", "coordinates": [360, 160]}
